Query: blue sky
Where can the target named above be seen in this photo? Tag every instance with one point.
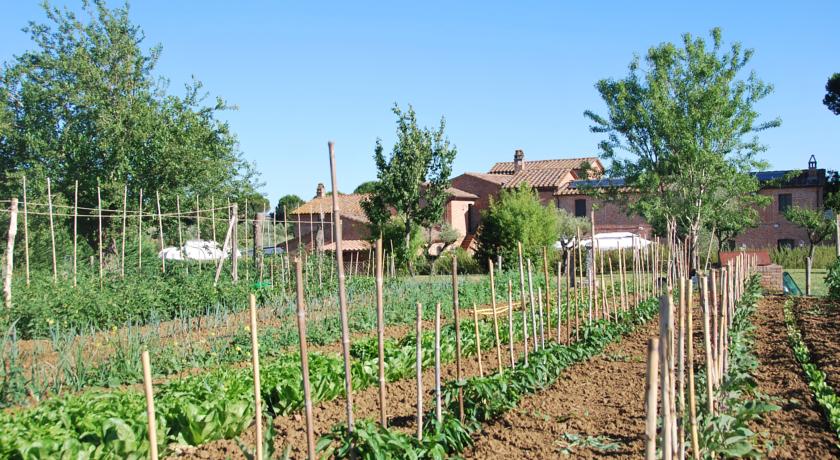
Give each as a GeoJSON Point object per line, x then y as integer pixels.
{"type": "Point", "coordinates": [511, 75]}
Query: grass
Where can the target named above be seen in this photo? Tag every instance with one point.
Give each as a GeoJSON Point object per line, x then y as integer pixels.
{"type": "Point", "coordinates": [818, 287]}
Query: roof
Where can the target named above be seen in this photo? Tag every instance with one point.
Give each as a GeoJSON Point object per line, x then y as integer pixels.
{"type": "Point", "coordinates": [506, 167]}
{"type": "Point", "coordinates": [350, 206]}
{"type": "Point", "coordinates": [580, 187]}
{"type": "Point", "coordinates": [349, 245]}
{"type": "Point", "coordinates": [458, 194]}
{"type": "Point", "coordinates": [499, 179]}
{"type": "Point", "coordinates": [539, 178]}
{"type": "Point", "coordinates": [798, 178]}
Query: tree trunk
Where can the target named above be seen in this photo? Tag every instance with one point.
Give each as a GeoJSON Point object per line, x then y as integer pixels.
{"type": "Point", "coordinates": [408, 255]}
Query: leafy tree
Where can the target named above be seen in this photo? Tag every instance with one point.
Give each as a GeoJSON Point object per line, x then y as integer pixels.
{"type": "Point", "coordinates": [832, 94]}
{"type": "Point", "coordinates": [413, 179]}
{"type": "Point", "coordinates": [815, 222]}
{"type": "Point", "coordinates": [290, 202]}
{"type": "Point", "coordinates": [689, 125]}
{"type": "Point", "coordinates": [517, 216]}
{"type": "Point", "coordinates": [366, 187]}
{"type": "Point", "coordinates": [84, 104]}
{"type": "Point", "coordinates": [448, 234]}
{"type": "Point", "coordinates": [730, 215]}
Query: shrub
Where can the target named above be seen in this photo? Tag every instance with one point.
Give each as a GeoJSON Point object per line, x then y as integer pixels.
{"type": "Point", "coordinates": [832, 280]}
{"type": "Point", "coordinates": [824, 257]}
{"type": "Point", "coordinates": [466, 263]}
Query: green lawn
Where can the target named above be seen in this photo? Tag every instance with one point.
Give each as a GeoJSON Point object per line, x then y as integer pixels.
{"type": "Point", "coordinates": [818, 287]}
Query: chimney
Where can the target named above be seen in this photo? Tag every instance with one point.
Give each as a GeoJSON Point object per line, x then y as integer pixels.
{"type": "Point", "coordinates": [812, 167]}
{"type": "Point", "coordinates": [518, 161]}
{"type": "Point", "coordinates": [320, 191]}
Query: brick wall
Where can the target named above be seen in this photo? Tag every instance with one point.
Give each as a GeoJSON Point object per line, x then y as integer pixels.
{"type": "Point", "coordinates": [481, 188]}
{"type": "Point", "coordinates": [351, 229]}
{"type": "Point", "coordinates": [609, 217]}
{"type": "Point", "coordinates": [456, 214]}
{"type": "Point", "coordinates": [773, 226]}
{"type": "Point", "coordinates": [771, 277]}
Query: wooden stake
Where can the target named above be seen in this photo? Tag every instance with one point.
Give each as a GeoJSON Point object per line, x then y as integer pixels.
{"type": "Point", "coordinates": [180, 234]}
{"type": "Point", "coordinates": [140, 233]}
{"type": "Point", "coordinates": [456, 313]}
{"type": "Point", "coordinates": [559, 303]}
{"type": "Point", "coordinates": [342, 292]}
{"type": "Point", "coordinates": [477, 341]}
{"type": "Point", "coordinates": [198, 226]}
{"type": "Point", "coordinates": [212, 217]}
{"type": "Point", "coordinates": [438, 408]}
{"type": "Point", "coordinates": [26, 229]}
{"type": "Point", "coordinates": [542, 326]}
{"type": "Point", "coordinates": [124, 221]}
{"type": "Point", "coordinates": [710, 398]}
{"type": "Point", "coordinates": [533, 308]}
{"type": "Point", "coordinates": [522, 301]}
{"type": "Point", "coordinates": [495, 314]}
{"type": "Point", "coordinates": [99, 212]}
{"type": "Point", "coordinates": [692, 399]}
{"type": "Point", "coordinates": [664, 377]}
{"type": "Point", "coordinates": [228, 243]}
{"type": "Point", "coordinates": [52, 231]}
{"type": "Point", "coordinates": [568, 297]}
{"type": "Point", "coordinates": [380, 328]}
{"type": "Point", "coordinates": [593, 275]}
{"type": "Point", "coordinates": [548, 291]}
{"type": "Point", "coordinates": [419, 368]}
{"type": "Point", "coordinates": [651, 398]}
{"type": "Point", "coordinates": [510, 324]}
{"type": "Point", "coordinates": [255, 362]}
{"type": "Point", "coordinates": [304, 360]}
{"type": "Point", "coordinates": [75, 236]}
{"type": "Point", "coordinates": [150, 405]}
{"type": "Point", "coordinates": [160, 232]}
{"type": "Point", "coordinates": [10, 254]}
{"type": "Point", "coordinates": [681, 364]}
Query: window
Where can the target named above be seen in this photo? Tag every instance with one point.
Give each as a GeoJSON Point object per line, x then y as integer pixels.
{"type": "Point", "coordinates": [785, 201]}
{"type": "Point", "coordinates": [580, 208]}
{"type": "Point", "coordinates": [785, 243]}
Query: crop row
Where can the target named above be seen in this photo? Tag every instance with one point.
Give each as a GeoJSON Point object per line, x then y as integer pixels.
{"type": "Point", "coordinates": [484, 398]}
{"type": "Point", "coordinates": [825, 395]}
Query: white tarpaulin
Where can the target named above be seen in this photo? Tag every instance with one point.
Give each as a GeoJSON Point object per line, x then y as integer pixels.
{"type": "Point", "coordinates": [610, 240]}
{"type": "Point", "coordinates": [195, 250]}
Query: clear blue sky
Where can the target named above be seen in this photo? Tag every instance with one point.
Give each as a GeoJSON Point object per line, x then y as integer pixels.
{"type": "Point", "coordinates": [506, 75]}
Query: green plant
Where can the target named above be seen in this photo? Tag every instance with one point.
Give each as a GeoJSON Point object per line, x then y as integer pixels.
{"type": "Point", "coordinates": [832, 280]}
{"type": "Point", "coordinates": [824, 256]}
{"type": "Point", "coordinates": [467, 264]}
{"type": "Point", "coordinates": [570, 441]}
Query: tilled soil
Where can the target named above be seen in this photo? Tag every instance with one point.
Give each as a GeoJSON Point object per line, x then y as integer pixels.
{"type": "Point", "coordinates": [401, 409]}
{"type": "Point", "coordinates": [799, 429]}
{"type": "Point", "coordinates": [600, 397]}
{"type": "Point", "coordinates": [819, 322]}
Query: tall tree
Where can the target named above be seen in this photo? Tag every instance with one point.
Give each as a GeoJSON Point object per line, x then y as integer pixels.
{"type": "Point", "coordinates": [689, 125]}
{"type": "Point", "coordinates": [413, 179]}
{"type": "Point", "coordinates": [832, 94]}
{"type": "Point", "coordinates": [84, 104]}
{"type": "Point", "coordinates": [815, 222]}
{"type": "Point", "coordinates": [365, 187]}
{"type": "Point", "coordinates": [289, 203]}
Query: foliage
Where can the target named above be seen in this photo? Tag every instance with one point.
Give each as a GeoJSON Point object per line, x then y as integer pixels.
{"type": "Point", "coordinates": [84, 104]}
{"type": "Point", "coordinates": [288, 203]}
{"type": "Point", "coordinates": [832, 280]}
{"type": "Point", "coordinates": [393, 236]}
{"type": "Point", "coordinates": [413, 180]}
{"type": "Point", "coordinates": [449, 234]}
{"type": "Point", "coordinates": [832, 94]}
{"type": "Point", "coordinates": [467, 264]}
{"type": "Point", "coordinates": [824, 256]}
{"type": "Point", "coordinates": [684, 119]}
{"type": "Point", "coordinates": [571, 441]}
{"type": "Point", "coordinates": [516, 217]}
{"type": "Point", "coordinates": [365, 187]}
{"type": "Point", "coordinates": [815, 222]}
{"type": "Point", "coordinates": [825, 395]}
{"type": "Point", "coordinates": [568, 226]}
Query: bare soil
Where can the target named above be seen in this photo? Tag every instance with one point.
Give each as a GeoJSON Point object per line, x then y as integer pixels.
{"type": "Point", "coordinates": [819, 321]}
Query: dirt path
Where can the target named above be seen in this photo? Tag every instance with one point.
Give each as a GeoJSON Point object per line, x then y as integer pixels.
{"type": "Point", "coordinates": [799, 429]}
{"type": "Point", "coordinates": [601, 397]}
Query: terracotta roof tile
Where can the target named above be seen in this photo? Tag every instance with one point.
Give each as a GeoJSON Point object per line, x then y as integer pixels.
{"type": "Point", "coordinates": [540, 178]}
{"type": "Point", "coordinates": [350, 206]}
{"type": "Point", "coordinates": [349, 245]}
{"type": "Point", "coordinates": [494, 178]}
{"type": "Point", "coordinates": [457, 193]}
{"type": "Point", "coordinates": [506, 167]}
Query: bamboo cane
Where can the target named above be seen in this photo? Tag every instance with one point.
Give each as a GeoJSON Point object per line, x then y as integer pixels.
{"type": "Point", "coordinates": [255, 363]}
{"type": "Point", "coordinates": [542, 327]}
{"type": "Point", "coordinates": [75, 236]}
{"type": "Point", "coordinates": [510, 324]}
{"type": "Point", "coordinates": [419, 369]}
{"type": "Point", "coordinates": [304, 361]}
{"type": "Point", "coordinates": [681, 363]}
{"type": "Point", "coordinates": [692, 399]}
{"type": "Point", "coordinates": [578, 268]}
{"type": "Point", "coordinates": [52, 231]}
{"type": "Point", "coordinates": [140, 233]}
{"type": "Point", "coordinates": [180, 234]}
{"type": "Point", "coordinates": [198, 226]}
{"type": "Point", "coordinates": [559, 302]}
{"type": "Point", "coordinates": [604, 305]}
{"type": "Point", "coordinates": [533, 308]}
{"type": "Point", "coordinates": [212, 217]}
{"type": "Point", "coordinates": [160, 232]}
{"type": "Point", "coordinates": [456, 313]}
{"type": "Point", "coordinates": [547, 290]}
{"type": "Point", "coordinates": [495, 314]}
{"type": "Point", "coordinates": [614, 298]}
{"type": "Point", "coordinates": [593, 276]}
{"type": "Point", "coordinates": [568, 298]}
{"type": "Point", "coordinates": [10, 254]}
{"type": "Point", "coordinates": [150, 405]}
{"type": "Point", "coordinates": [622, 278]}
{"type": "Point", "coordinates": [438, 407]}
{"type": "Point", "coordinates": [708, 342]}
{"type": "Point", "coordinates": [664, 378]}
{"type": "Point", "coordinates": [228, 243]}
{"type": "Point", "coordinates": [26, 228]}
{"type": "Point", "coordinates": [522, 301]}
{"type": "Point", "coordinates": [651, 398]}
{"type": "Point", "coordinates": [342, 292]}
{"type": "Point", "coordinates": [99, 235]}
{"type": "Point", "coordinates": [124, 221]}
{"type": "Point", "coordinates": [477, 341]}
{"type": "Point", "coordinates": [380, 328]}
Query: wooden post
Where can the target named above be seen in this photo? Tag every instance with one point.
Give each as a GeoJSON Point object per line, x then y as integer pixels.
{"type": "Point", "coordinates": [380, 329]}
{"type": "Point", "coordinates": [160, 232]}
{"type": "Point", "coordinates": [342, 292]}
{"type": "Point", "coordinates": [614, 298]}
{"type": "Point", "coordinates": [559, 303]}
{"type": "Point", "coordinates": [10, 254]}
{"type": "Point", "coordinates": [710, 399]}
{"type": "Point", "coordinates": [510, 324]}
{"type": "Point", "coordinates": [419, 368]}
{"type": "Point", "coordinates": [26, 229]}
{"type": "Point", "coordinates": [568, 297]}
{"type": "Point", "coordinates": [212, 217]}
{"type": "Point", "coordinates": [286, 234]}
{"type": "Point", "coordinates": [593, 275]}
{"type": "Point", "coordinates": [651, 398]}
{"type": "Point", "coordinates": [578, 265]}
{"type": "Point", "coordinates": [522, 301]}
{"type": "Point", "coordinates": [75, 237]}
{"type": "Point", "coordinates": [681, 367]}
{"type": "Point", "coordinates": [150, 405]}
{"type": "Point", "coordinates": [259, 220]}
{"type": "Point", "coordinates": [456, 313]}
{"type": "Point", "coordinates": [533, 308]}
{"type": "Point", "coordinates": [438, 408]}
{"type": "Point", "coordinates": [807, 276]}
{"type": "Point", "coordinates": [622, 278]}
{"type": "Point", "coordinates": [495, 315]}
{"type": "Point", "coordinates": [548, 291]}
{"type": "Point", "coordinates": [477, 341]}
{"type": "Point", "coordinates": [541, 315]}
{"type": "Point", "coordinates": [664, 376]}
{"type": "Point", "coordinates": [304, 360]}
{"type": "Point", "coordinates": [124, 219]}
{"type": "Point", "coordinates": [234, 253]}
{"type": "Point", "coordinates": [255, 362]}
{"type": "Point", "coordinates": [52, 231]}
{"type": "Point", "coordinates": [692, 399]}
{"type": "Point", "coordinates": [180, 234]}
{"type": "Point", "coordinates": [837, 234]}
{"type": "Point", "coordinates": [227, 244]}
{"type": "Point", "coordinates": [140, 233]}
{"type": "Point", "coordinates": [99, 235]}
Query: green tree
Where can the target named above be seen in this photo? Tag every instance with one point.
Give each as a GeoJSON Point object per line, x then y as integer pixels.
{"type": "Point", "coordinates": [517, 216]}
{"type": "Point", "coordinates": [689, 125]}
{"type": "Point", "coordinates": [832, 94]}
{"type": "Point", "coordinates": [413, 179]}
{"type": "Point", "coordinates": [289, 203]}
{"type": "Point", "coordinates": [816, 223]}
{"type": "Point", "coordinates": [733, 210]}
{"type": "Point", "coordinates": [365, 187]}
{"type": "Point", "coordinates": [84, 104]}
